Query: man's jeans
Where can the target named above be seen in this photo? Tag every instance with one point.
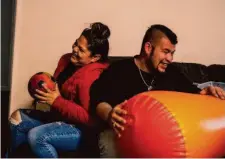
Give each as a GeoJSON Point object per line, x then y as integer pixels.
{"type": "Point", "coordinates": [107, 144]}
{"type": "Point", "coordinates": [44, 139]}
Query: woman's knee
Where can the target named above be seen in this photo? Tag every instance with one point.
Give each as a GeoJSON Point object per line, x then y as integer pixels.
{"type": "Point", "coordinates": [38, 141]}
{"type": "Point", "coordinates": [36, 136]}
{"type": "Point", "coordinates": [57, 134]}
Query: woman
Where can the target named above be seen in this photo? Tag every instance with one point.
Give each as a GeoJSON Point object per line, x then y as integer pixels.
{"type": "Point", "coordinates": [69, 101]}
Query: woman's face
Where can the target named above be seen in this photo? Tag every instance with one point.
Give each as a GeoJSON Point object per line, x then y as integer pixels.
{"type": "Point", "coordinates": [81, 54]}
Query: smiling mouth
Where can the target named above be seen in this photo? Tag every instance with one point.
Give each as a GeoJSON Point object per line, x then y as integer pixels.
{"type": "Point", "coordinates": [73, 56]}
{"type": "Point", "coordinates": [164, 64]}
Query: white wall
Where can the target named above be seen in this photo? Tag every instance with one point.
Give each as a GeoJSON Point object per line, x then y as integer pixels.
{"type": "Point", "coordinates": [46, 29]}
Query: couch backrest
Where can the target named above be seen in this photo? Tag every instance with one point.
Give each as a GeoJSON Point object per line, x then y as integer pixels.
{"type": "Point", "coordinates": [195, 72]}
{"type": "Point", "coordinates": [216, 73]}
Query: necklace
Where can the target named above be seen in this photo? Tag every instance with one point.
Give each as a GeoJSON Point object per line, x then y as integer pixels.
{"type": "Point", "coordinates": [148, 86]}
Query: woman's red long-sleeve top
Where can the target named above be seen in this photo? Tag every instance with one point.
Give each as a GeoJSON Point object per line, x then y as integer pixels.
{"type": "Point", "coordinates": [76, 90]}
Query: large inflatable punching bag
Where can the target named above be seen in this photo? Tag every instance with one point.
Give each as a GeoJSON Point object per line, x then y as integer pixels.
{"type": "Point", "coordinates": [173, 124]}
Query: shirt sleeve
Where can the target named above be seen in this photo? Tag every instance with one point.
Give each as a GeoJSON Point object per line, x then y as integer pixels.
{"type": "Point", "coordinates": [103, 89]}
{"type": "Point", "coordinates": [181, 82]}
{"type": "Point", "coordinates": [73, 111]}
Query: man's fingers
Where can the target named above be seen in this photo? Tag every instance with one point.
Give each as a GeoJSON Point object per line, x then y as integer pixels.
{"type": "Point", "coordinates": [118, 119]}
{"type": "Point", "coordinates": [117, 132]}
{"type": "Point", "coordinates": [209, 91]}
{"type": "Point", "coordinates": [223, 94]}
{"type": "Point", "coordinates": [117, 128]}
{"type": "Point", "coordinates": [203, 92]}
{"type": "Point", "coordinates": [213, 91]}
{"type": "Point", "coordinates": [220, 92]}
{"type": "Point", "coordinates": [117, 125]}
{"type": "Point", "coordinates": [120, 111]}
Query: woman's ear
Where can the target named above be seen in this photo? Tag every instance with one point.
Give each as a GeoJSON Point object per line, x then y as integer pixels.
{"type": "Point", "coordinates": [96, 57]}
{"type": "Point", "coordinates": [148, 47]}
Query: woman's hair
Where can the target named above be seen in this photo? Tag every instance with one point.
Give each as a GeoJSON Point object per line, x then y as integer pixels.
{"type": "Point", "coordinates": [97, 36]}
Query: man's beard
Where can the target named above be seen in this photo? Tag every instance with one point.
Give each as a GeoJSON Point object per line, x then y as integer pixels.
{"type": "Point", "coordinates": [150, 62]}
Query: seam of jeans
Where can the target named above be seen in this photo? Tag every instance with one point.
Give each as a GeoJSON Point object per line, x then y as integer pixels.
{"type": "Point", "coordinates": [45, 145]}
{"type": "Point", "coordinates": [49, 134]}
{"type": "Point", "coordinates": [42, 140]}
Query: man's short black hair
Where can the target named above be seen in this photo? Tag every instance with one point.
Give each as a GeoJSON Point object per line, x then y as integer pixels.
{"type": "Point", "coordinates": [151, 34]}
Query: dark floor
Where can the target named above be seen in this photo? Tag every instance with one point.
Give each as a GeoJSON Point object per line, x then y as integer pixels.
{"type": "Point", "coordinates": [5, 137]}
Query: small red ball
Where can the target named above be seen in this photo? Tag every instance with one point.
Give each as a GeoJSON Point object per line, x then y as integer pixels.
{"type": "Point", "coordinates": [37, 80]}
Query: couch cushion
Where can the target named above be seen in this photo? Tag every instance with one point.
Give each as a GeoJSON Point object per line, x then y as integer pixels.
{"type": "Point", "coordinates": [216, 73]}
{"type": "Point", "coordinates": [193, 71]}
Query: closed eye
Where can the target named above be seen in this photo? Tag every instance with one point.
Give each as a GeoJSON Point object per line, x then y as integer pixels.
{"type": "Point", "coordinates": [76, 45]}
{"type": "Point", "coordinates": [80, 48]}
{"type": "Point", "coordinates": [167, 51]}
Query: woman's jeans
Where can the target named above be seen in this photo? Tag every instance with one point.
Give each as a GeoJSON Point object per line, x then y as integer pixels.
{"type": "Point", "coordinates": [44, 139]}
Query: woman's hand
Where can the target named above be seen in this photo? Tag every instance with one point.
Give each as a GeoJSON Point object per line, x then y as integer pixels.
{"type": "Point", "coordinates": [214, 91]}
{"type": "Point", "coordinates": [49, 96]}
{"type": "Point", "coordinates": [115, 118]}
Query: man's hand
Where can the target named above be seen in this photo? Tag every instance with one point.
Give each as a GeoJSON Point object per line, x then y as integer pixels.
{"type": "Point", "coordinates": [214, 91]}
{"type": "Point", "coordinates": [49, 96]}
{"type": "Point", "coordinates": [115, 118]}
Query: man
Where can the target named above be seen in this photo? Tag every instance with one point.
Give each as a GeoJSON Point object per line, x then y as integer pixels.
{"type": "Point", "coordinates": [149, 71]}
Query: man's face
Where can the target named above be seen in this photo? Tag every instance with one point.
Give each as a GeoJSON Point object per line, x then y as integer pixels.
{"type": "Point", "coordinates": [161, 55]}
{"type": "Point", "coordinates": [81, 54]}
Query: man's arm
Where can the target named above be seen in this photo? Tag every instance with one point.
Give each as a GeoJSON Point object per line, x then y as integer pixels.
{"type": "Point", "coordinates": [113, 116]}
{"type": "Point", "coordinates": [102, 91]}
{"type": "Point", "coordinates": [103, 109]}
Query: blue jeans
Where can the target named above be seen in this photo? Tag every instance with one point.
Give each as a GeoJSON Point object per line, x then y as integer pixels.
{"type": "Point", "coordinates": [45, 139]}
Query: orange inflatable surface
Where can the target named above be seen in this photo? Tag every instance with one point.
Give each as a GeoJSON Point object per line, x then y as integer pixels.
{"type": "Point", "coordinates": [173, 124]}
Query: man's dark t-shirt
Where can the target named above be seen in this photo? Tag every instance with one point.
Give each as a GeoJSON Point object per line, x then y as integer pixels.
{"type": "Point", "coordinates": [122, 80]}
